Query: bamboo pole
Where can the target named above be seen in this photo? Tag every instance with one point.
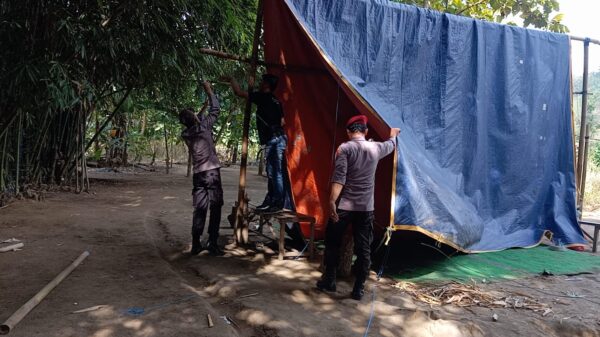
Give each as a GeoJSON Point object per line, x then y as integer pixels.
{"type": "Point", "coordinates": [11, 247]}
{"type": "Point", "coordinates": [166, 147]}
{"type": "Point", "coordinates": [584, 106]}
{"type": "Point", "coordinates": [227, 56]}
{"type": "Point", "coordinates": [20, 131]}
{"type": "Point", "coordinates": [241, 228]}
{"type": "Point", "coordinates": [584, 168]}
{"type": "Point", "coordinates": [15, 318]}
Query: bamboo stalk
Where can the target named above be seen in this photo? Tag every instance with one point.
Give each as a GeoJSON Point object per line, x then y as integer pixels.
{"type": "Point", "coordinates": [18, 152]}
{"type": "Point", "coordinates": [2, 164]}
{"type": "Point", "coordinates": [227, 56]}
{"type": "Point", "coordinates": [166, 147]}
{"type": "Point", "coordinates": [11, 247]}
{"type": "Point", "coordinates": [241, 228]}
{"type": "Point", "coordinates": [15, 318]}
{"type": "Point", "coordinates": [584, 108]}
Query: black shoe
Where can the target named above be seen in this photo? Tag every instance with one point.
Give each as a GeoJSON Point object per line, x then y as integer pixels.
{"type": "Point", "coordinates": [263, 207]}
{"type": "Point", "coordinates": [357, 294]}
{"type": "Point", "coordinates": [273, 209]}
{"type": "Point", "coordinates": [196, 249]}
{"type": "Point", "coordinates": [214, 249]}
{"type": "Point", "coordinates": [326, 286]}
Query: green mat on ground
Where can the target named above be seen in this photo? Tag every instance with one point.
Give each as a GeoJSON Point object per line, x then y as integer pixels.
{"type": "Point", "coordinates": [507, 264]}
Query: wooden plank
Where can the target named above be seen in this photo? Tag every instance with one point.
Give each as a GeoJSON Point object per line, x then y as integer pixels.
{"type": "Point", "coordinates": [281, 239]}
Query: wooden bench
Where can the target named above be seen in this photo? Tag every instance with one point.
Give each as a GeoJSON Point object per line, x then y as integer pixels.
{"type": "Point", "coordinates": [283, 218]}
{"type": "Point", "coordinates": [596, 224]}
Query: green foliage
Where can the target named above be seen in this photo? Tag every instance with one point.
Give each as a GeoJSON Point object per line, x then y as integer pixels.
{"type": "Point", "coordinates": [534, 13]}
{"type": "Point", "coordinates": [63, 63]}
{"type": "Point", "coordinates": [595, 152]}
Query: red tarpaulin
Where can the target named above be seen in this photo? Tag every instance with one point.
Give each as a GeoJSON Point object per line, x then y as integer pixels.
{"type": "Point", "coordinates": [317, 102]}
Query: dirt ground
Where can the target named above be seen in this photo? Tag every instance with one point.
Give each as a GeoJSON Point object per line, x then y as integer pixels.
{"type": "Point", "coordinates": [136, 226]}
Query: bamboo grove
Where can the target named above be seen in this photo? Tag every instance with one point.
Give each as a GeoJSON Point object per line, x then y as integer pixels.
{"type": "Point", "coordinates": [69, 68]}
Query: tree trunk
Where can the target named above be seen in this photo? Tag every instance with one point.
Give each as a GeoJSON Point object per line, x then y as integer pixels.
{"type": "Point", "coordinates": [97, 142]}
{"type": "Point", "coordinates": [167, 159]}
{"type": "Point", "coordinates": [143, 123]}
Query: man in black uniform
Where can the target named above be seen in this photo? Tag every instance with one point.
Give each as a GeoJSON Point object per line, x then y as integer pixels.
{"type": "Point", "coordinates": [207, 192]}
{"type": "Point", "coordinates": [269, 122]}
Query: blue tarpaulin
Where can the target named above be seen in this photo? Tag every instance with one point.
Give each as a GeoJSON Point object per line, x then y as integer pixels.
{"type": "Point", "coordinates": [485, 158]}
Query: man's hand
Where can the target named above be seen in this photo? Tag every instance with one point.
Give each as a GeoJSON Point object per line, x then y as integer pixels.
{"type": "Point", "coordinates": [237, 90]}
{"type": "Point", "coordinates": [336, 189]}
{"type": "Point", "coordinates": [333, 213]}
{"type": "Point", "coordinates": [207, 87]}
{"type": "Point", "coordinates": [394, 132]}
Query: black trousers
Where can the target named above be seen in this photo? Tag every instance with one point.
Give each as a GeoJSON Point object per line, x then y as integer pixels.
{"type": "Point", "coordinates": [207, 195]}
{"type": "Point", "coordinates": [362, 230]}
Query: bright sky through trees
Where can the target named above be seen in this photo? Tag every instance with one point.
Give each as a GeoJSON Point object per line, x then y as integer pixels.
{"type": "Point", "coordinates": [583, 19]}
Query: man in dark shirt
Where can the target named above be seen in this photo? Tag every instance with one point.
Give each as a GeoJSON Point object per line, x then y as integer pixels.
{"type": "Point", "coordinates": [269, 122]}
{"type": "Point", "coordinates": [353, 183]}
{"type": "Point", "coordinates": [207, 192]}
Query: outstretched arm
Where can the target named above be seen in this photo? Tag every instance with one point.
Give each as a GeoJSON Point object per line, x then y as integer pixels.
{"type": "Point", "coordinates": [389, 145]}
{"type": "Point", "coordinates": [213, 103]}
{"type": "Point", "coordinates": [237, 90]}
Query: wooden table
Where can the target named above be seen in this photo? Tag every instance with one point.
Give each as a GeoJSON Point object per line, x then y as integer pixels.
{"type": "Point", "coordinates": [596, 224]}
{"type": "Point", "coordinates": [283, 217]}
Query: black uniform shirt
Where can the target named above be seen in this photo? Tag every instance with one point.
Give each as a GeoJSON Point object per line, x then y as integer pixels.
{"type": "Point", "coordinates": [268, 115]}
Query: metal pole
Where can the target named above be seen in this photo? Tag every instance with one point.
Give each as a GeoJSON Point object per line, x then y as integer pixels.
{"type": "Point", "coordinates": [584, 172]}
{"type": "Point", "coordinates": [584, 105]}
{"type": "Point", "coordinates": [583, 39]}
{"type": "Point", "coordinates": [241, 228]}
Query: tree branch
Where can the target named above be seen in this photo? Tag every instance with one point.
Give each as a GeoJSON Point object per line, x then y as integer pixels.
{"type": "Point", "coordinates": [109, 118]}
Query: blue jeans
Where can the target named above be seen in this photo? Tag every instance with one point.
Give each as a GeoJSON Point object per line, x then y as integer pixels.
{"type": "Point", "coordinates": [275, 150]}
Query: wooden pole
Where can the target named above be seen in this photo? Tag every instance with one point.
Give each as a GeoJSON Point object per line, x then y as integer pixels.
{"type": "Point", "coordinates": [166, 147]}
{"type": "Point", "coordinates": [241, 228]}
{"type": "Point", "coordinates": [13, 320]}
{"type": "Point", "coordinates": [584, 168]}
{"type": "Point", "coordinates": [584, 106]}
{"type": "Point", "coordinates": [11, 247]}
{"type": "Point", "coordinates": [291, 67]}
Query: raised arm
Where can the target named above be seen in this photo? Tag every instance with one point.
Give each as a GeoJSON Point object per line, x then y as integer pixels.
{"type": "Point", "coordinates": [389, 145]}
{"type": "Point", "coordinates": [214, 107]}
{"type": "Point", "coordinates": [235, 86]}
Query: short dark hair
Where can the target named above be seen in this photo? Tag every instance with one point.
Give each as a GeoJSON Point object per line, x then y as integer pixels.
{"type": "Point", "coordinates": [357, 127]}
{"type": "Point", "coordinates": [271, 80]}
{"type": "Point", "coordinates": [187, 117]}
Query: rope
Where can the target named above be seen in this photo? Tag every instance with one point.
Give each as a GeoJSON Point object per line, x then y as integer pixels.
{"type": "Point", "coordinates": [386, 240]}
{"type": "Point", "coordinates": [302, 251]}
{"type": "Point", "coordinates": [138, 311]}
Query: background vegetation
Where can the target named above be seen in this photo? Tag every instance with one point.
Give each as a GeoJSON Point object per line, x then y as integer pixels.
{"type": "Point", "coordinates": [101, 81]}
